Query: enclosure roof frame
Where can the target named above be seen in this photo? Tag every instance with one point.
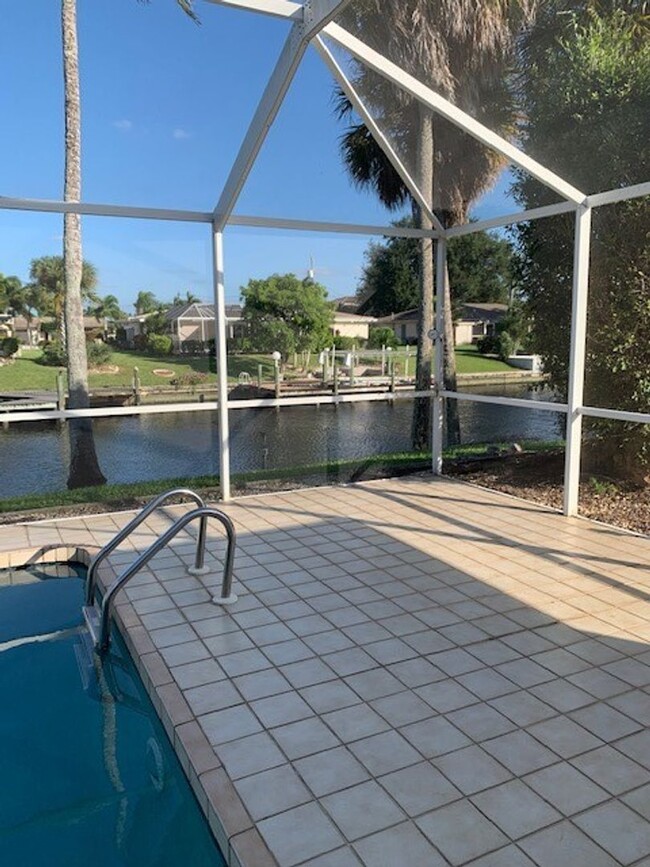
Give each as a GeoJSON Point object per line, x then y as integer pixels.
{"type": "Point", "coordinates": [316, 14]}
{"type": "Point", "coordinates": [311, 20]}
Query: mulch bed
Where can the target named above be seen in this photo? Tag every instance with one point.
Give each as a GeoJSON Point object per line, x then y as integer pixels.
{"type": "Point", "coordinates": [539, 477]}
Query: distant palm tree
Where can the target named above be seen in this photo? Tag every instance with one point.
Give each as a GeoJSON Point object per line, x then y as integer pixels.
{"type": "Point", "coordinates": [84, 466]}
{"type": "Point", "coordinates": [19, 299]}
{"type": "Point", "coordinates": [107, 307]}
{"type": "Point", "coordinates": [188, 298]}
{"type": "Point", "coordinates": [464, 52]}
{"type": "Point", "coordinates": [47, 275]}
{"type": "Point", "coordinates": [146, 302]}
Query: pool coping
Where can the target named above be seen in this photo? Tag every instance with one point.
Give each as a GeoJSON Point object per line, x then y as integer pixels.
{"type": "Point", "coordinates": [240, 843]}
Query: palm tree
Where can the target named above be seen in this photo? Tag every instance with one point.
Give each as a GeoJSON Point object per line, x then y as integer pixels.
{"type": "Point", "coordinates": [47, 275]}
{"type": "Point", "coordinates": [20, 300]}
{"type": "Point", "coordinates": [107, 307]}
{"type": "Point", "coordinates": [146, 302]}
{"type": "Point", "coordinates": [463, 51]}
{"type": "Point", "coordinates": [188, 298]}
{"type": "Point", "coordinates": [84, 466]}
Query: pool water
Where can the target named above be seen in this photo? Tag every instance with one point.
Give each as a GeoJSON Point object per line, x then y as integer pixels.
{"type": "Point", "coordinates": [88, 773]}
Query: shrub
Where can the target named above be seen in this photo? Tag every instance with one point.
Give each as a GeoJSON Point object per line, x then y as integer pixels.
{"type": "Point", "coordinates": [159, 344]}
{"type": "Point", "coordinates": [489, 345]}
{"type": "Point", "coordinates": [344, 343]}
{"type": "Point", "coordinates": [8, 347]}
{"type": "Point", "coordinates": [507, 345]}
{"type": "Point", "coordinates": [98, 354]}
{"type": "Point", "coordinates": [54, 354]}
{"type": "Point", "coordinates": [193, 347]}
{"type": "Point", "coordinates": [382, 336]}
{"type": "Point", "coordinates": [190, 379]}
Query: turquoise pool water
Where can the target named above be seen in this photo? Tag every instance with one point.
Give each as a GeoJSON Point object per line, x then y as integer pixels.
{"type": "Point", "coordinates": [88, 776]}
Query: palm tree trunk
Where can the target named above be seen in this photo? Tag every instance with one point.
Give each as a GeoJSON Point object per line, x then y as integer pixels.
{"type": "Point", "coordinates": [421, 426]}
{"type": "Point", "coordinates": [84, 466]}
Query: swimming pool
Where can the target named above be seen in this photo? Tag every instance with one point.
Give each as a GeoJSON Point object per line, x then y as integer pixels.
{"type": "Point", "coordinates": [88, 773]}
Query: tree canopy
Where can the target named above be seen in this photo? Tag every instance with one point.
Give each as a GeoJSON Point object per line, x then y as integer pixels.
{"type": "Point", "coordinates": [107, 307]}
{"type": "Point", "coordinates": [481, 269]}
{"type": "Point", "coordinates": [287, 314]}
{"type": "Point", "coordinates": [188, 298]}
{"type": "Point", "coordinates": [47, 274]}
{"type": "Point", "coordinates": [586, 91]}
{"type": "Point", "coordinates": [146, 302]}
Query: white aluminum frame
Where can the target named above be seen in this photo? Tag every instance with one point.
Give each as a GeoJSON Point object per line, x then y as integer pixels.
{"type": "Point", "coordinates": [309, 20]}
{"type": "Point", "coordinates": [580, 294]}
{"type": "Point", "coordinates": [316, 15]}
{"type": "Point", "coordinates": [274, 8]}
{"type": "Point", "coordinates": [221, 357]}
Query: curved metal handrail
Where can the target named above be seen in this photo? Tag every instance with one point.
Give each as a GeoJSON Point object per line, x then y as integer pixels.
{"type": "Point", "coordinates": [91, 578]}
{"type": "Point", "coordinates": [202, 513]}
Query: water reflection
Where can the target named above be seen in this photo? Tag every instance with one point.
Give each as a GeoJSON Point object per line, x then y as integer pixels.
{"type": "Point", "coordinates": [33, 457]}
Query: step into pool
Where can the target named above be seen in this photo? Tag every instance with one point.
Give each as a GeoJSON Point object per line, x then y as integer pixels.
{"type": "Point", "coordinates": [88, 773]}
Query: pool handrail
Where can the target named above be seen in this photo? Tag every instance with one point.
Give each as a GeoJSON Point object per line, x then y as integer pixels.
{"type": "Point", "coordinates": [227, 597]}
{"type": "Point", "coordinates": [152, 505]}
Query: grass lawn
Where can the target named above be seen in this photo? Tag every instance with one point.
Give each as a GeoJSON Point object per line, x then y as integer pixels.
{"type": "Point", "coordinates": [469, 360]}
{"type": "Point", "coordinates": [26, 374]}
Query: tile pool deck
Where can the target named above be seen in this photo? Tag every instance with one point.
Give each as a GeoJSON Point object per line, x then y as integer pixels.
{"type": "Point", "coordinates": [417, 672]}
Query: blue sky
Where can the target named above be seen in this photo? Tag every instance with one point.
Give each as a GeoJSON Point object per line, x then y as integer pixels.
{"type": "Point", "coordinates": [165, 105]}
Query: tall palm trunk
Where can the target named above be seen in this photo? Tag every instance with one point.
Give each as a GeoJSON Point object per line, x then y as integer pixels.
{"type": "Point", "coordinates": [421, 427]}
{"type": "Point", "coordinates": [84, 466]}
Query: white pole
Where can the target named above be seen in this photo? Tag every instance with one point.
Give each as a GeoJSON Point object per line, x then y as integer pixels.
{"type": "Point", "coordinates": [222, 363]}
{"type": "Point", "coordinates": [577, 359]}
{"type": "Point", "coordinates": [438, 400]}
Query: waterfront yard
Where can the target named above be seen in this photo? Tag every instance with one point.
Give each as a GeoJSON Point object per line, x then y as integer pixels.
{"type": "Point", "coordinates": [28, 374]}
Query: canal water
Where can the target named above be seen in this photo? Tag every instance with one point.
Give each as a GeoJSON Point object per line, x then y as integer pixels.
{"type": "Point", "coordinates": [34, 457]}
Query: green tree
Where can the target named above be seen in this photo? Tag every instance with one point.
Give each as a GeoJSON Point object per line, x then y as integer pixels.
{"type": "Point", "coordinates": [187, 298]}
{"type": "Point", "coordinates": [382, 336]}
{"type": "Point", "coordinates": [586, 93]}
{"type": "Point", "coordinates": [21, 300]}
{"type": "Point", "coordinates": [285, 310]}
{"type": "Point", "coordinates": [47, 276]}
{"type": "Point", "coordinates": [481, 269]}
{"type": "Point", "coordinates": [390, 279]}
{"type": "Point", "coordinates": [107, 307]}
{"type": "Point", "coordinates": [463, 51]}
{"type": "Point", "coordinates": [146, 302]}
{"type": "Point", "coordinates": [8, 286]}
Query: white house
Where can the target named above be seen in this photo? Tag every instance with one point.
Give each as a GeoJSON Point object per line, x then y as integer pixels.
{"type": "Point", "coordinates": [475, 321]}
